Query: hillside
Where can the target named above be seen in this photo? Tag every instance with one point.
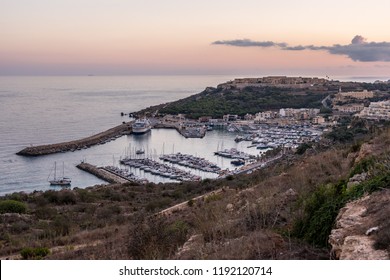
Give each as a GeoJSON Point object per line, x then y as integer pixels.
{"type": "Point", "coordinates": [241, 97]}
{"type": "Point", "coordinates": [285, 211]}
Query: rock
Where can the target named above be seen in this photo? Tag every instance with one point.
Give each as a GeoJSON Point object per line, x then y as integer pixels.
{"type": "Point", "coordinates": [356, 179]}
{"type": "Point", "coordinates": [361, 248]}
{"type": "Point", "coordinates": [365, 150]}
{"type": "Point", "coordinates": [190, 249]}
{"type": "Point", "coordinates": [371, 230]}
{"type": "Point", "coordinates": [230, 207]}
{"type": "Point", "coordinates": [350, 239]}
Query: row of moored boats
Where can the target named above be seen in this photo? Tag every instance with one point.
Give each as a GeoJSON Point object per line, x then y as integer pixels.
{"type": "Point", "coordinates": [191, 162]}
{"type": "Point", "coordinates": [160, 169]}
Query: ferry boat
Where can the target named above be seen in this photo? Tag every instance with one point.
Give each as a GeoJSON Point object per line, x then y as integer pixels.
{"type": "Point", "coordinates": [141, 126]}
{"type": "Point", "coordinates": [60, 181]}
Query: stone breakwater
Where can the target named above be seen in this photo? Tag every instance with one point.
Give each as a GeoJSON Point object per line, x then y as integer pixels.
{"type": "Point", "coordinates": [84, 143]}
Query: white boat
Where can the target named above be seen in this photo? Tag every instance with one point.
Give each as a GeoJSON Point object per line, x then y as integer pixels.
{"type": "Point", "coordinates": [60, 181]}
{"type": "Point", "coordinates": [141, 126]}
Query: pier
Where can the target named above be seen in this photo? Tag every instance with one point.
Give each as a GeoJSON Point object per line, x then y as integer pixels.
{"type": "Point", "coordinates": [84, 143]}
{"type": "Point", "coordinates": [110, 174]}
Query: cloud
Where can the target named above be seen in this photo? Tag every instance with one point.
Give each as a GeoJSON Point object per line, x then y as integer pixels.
{"type": "Point", "coordinates": [358, 40]}
{"type": "Point", "coordinates": [358, 50]}
{"type": "Point", "coordinates": [250, 43]}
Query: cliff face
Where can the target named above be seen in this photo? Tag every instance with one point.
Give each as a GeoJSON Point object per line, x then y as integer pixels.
{"type": "Point", "coordinates": [361, 229]}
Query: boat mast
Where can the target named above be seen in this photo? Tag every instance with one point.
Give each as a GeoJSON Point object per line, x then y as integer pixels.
{"type": "Point", "coordinates": [55, 170]}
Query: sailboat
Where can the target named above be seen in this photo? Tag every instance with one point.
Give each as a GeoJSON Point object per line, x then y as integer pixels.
{"type": "Point", "coordinates": [60, 181]}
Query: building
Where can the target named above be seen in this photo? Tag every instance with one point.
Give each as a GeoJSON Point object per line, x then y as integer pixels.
{"type": "Point", "coordinates": [349, 108]}
{"type": "Point", "coordinates": [230, 118]}
{"type": "Point", "coordinates": [204, 119]}
{"type": "Point", "coordinates": [299, 114]}
{"type": "Point", "coordinates": [342, 96]}
{"type": "Point", "coordinates": [249, 117]}
{"type": "Point", "coordinates": [376, 111]}
{"type": "Point", "coordinates": [318, 120]}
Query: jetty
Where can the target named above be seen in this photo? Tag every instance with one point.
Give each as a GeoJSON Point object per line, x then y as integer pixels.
{"type": "Point", "coordinates": [100, 138]}
{"type": "Point", "coordinates": [111, 174]}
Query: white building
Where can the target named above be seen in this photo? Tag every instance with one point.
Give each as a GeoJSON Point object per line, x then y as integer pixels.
{"type": "Point", "coordinates": [376, 111]}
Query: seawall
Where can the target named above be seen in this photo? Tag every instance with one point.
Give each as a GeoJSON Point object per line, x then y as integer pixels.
{"type": "Point", "coordinates": [84, 143]}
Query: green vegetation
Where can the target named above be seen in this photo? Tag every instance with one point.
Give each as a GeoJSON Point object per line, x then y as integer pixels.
{"type": "Point", "coordinates": [218, 102]}
{"type": "Point", "coordinates": [302, 148]}
{"type": "Point", "coordinates": [34, 253]}
{"type": "Point", "coordinates": [348, 130]}
{"type": "Point", "coordinates": [12, 206]}
{"type": "Point", "coordinates": [322, 206]}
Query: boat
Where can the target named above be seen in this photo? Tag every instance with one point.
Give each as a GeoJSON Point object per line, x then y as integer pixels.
{"type": "Point", "coordinates": [141, 126]}
{"type": "Point", "coordinates": [140, 151]}
{"type": "Point", "coordinates": [238, 162]}
{"type": "Point", "coordinates": [262, 146]}
{"type": "Point", "coordinates": [60, 181]}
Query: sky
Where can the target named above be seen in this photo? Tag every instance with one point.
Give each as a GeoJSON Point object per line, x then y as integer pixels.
{"type": "Point", "coordinates": [163, 37]}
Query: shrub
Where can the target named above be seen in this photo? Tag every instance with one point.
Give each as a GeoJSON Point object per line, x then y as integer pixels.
{"type": "Point", "coordinates": [158, 203]}
{"type": "Point", "coordinates": [157, 239]}
{"type": "Point", "coordinates": [12, 206]}
{"type": "Point", "coordinates": [19, 227]}
{"type": "Point", "coordinates": [34, 253]}
{"type": "Point", "coordinates": [66, 197]}
{"type": "Point", "coordinates": [302, 148]}
{"type": "Point", "coordinates": [61, 226]}
{"type": "Point", "coordinates": [45, 212]}
{"type": "Point", "coordinates": [320, 211]}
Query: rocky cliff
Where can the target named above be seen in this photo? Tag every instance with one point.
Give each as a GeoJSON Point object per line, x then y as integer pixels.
{"type": "Point", "coordinates": [362, 229]}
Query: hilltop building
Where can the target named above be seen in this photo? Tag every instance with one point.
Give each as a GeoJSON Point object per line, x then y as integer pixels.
{"type": "Point", "coordinates": [343, 96]}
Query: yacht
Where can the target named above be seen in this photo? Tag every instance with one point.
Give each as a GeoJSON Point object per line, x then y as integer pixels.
{"type": "Point", "coordinates": [59, 181]}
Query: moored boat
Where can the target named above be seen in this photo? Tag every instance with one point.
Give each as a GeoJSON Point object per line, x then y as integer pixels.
{"type": "Point", "coordinates": [141, 126]}
{"type": "Point", "coordinates": [59, 181]}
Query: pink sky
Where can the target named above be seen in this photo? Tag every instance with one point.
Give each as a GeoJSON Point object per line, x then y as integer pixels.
{"type": "Point", "coordinates": [176, 36]}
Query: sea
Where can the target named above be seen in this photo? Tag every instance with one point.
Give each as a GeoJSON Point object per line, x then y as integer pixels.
{"type": "Point", "coordinates": [51, 109]}
{"type": "Point", "coordinates": [36, 110]}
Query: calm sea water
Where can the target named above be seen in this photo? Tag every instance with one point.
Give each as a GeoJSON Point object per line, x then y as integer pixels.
{"type": "Point", "coordinates": [42, 110]}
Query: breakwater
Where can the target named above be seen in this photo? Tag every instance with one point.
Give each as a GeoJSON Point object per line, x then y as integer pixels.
{"type": "Point", "coordinates": [84, 143]}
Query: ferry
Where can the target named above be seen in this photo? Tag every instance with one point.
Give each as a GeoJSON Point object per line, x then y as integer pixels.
{"type": "Point", "coordinates": [141, 126]}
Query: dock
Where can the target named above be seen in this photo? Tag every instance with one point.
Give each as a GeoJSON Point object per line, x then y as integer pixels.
{"type": "Point", "coordinates": [84, 143]}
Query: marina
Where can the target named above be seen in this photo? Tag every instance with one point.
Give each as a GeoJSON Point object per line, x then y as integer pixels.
{"type": "Point", "coordinates": [160, 169]}
{"type": "Point", "coordinates": [191, 162]}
